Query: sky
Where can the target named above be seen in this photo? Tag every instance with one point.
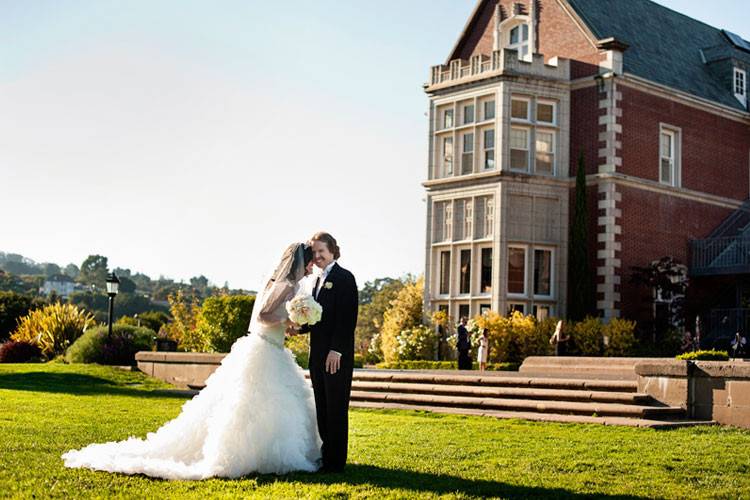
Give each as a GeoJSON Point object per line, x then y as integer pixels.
{"type": "Point", "coordinates": [187, 137]}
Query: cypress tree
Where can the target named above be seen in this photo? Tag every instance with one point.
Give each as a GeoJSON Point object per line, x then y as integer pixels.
{"type": "Point", "coordinates": [580, 295]}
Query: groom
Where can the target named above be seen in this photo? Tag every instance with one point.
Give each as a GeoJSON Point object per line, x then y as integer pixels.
{"type": "Point", "coordinates": [332, 349]}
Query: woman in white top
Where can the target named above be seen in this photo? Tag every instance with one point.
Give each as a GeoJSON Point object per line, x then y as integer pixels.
{"type": "Point", "coordinates": [483, 350]}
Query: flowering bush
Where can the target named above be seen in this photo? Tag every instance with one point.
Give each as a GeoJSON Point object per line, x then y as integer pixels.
{"type": "Point", "coordinates": [414, 343]}
{"type": "Point", "coordinates": [620, 335]}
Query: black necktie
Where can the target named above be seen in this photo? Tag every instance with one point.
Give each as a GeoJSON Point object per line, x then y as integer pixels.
{"type": "Point", "coordinates": [317, 282]}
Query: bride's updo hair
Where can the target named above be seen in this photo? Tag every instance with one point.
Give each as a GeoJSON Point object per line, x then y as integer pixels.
{"type": "Point", "coordinates": [329, 241]}
{"type": "Point", "coordinates": [308, 254]}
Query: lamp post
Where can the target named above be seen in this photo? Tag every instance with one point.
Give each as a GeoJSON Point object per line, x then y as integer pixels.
{"type": "Point", "coordinates": [113, 285]}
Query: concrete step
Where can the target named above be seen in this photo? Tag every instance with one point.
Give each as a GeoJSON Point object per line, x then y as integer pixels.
{"type": "Point", "coordinates": [497, 379]}
{"type": "Point", "coordinates": [523, 392]}
{"type": "Point", "coordinates": [534, 416]}
{"type": "Point", "coordinates": [524, 405]}
{"type": "Point", "coordinates": [582, 367]}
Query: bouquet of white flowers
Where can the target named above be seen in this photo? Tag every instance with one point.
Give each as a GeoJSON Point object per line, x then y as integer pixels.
{"type": "Point", "coordinates": [304, 310]}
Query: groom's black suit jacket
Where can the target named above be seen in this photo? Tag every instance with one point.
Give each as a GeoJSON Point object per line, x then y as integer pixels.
{"type": "Point", "coordinates": [339, 299]}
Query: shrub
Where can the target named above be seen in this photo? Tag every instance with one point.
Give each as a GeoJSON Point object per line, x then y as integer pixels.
{"type": "Point", "coordinates": [587, 337]}
{"type": "Point", "coordinates": [300, 347]}
{"type": "Point", "coordinates": [441, 365]}
{"type": "Point", "coordinates": [711, 355]}
{"type": "Point", "coordinates": [153, 320]}
{"type": "Point", "coordinates": [120, 349]}
{"type": "Point", "coordinates": [54, 328]}
{"type": "Point", "coordinates": [405, 312]}
{"type": "Point", "coordinates": [511, 339]}
{"type": "Point", "coordinates": [418, 342]}
{"type": "Point", "coordinates": [182, 329]}
{"type": "Point", "coordinates": [222, 320]}
{"type": "Point", "coordinates": [19, 352]}
{"type": "Point", "coordinates": [621, 337]}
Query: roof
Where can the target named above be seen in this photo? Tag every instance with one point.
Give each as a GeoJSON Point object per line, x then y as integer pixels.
{"type": "Point", "coordinates": [665, 46]}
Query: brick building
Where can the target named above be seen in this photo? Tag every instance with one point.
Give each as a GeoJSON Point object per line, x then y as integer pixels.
{"type": "Point", "coordinates": [656, 102]}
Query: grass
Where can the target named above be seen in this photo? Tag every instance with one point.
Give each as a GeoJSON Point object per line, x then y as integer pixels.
{"type": "Point", "coordinates": [48, 409]}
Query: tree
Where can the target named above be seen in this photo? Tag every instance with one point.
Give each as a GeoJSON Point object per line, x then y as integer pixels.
{"type": "Point", "coordinates": [199, 282]}
{"type": "Point", "coordinates": [72, 271]}
{"type": "Point", "coordinates": [405, 312]}
{"type": "Point", "coordinates": [14, 306]}
{"type": "Point", "coordinates": [94, 271]}
{"type": "Point", "coordinates": [378, 296]}
{"type": "Point", "coordinates": [665, 282]}
{"type": "Point", "coordinates": [126, 284]}
{"type": "Point", "coordinates": [51, 269]}
{"type": "Point", "coordinates": [581, 297]}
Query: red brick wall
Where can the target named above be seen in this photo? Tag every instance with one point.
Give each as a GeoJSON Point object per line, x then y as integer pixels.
{"type": "Point", "coordinates": [558, 35]}
{"type": "Point", "coordinates": [714, 149]}
{"type": "Point", "coordinates": [584, 129]}
{"type": "Point", "coordinates": [656, 225]}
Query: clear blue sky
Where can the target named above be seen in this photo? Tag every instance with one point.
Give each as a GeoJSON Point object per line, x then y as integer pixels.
{"type": "Point", "coordinates": [188, 137]}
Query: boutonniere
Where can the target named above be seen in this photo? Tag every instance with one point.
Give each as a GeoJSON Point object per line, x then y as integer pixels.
{"type": "Point", "coordinates": [328, 285]}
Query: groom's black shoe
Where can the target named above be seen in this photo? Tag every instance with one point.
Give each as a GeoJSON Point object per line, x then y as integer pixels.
{"type": "Point", "coordinates": [331, 470]}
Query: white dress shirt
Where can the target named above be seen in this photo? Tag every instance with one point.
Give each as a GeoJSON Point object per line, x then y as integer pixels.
{"type": "Point", "coordinates": [321, 279]}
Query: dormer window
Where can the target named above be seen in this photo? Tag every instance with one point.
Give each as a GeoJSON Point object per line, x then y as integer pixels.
{"type": "Point", "coordinates": [740, 85]}
{"type": "Point", "coordinates": [518, 39]}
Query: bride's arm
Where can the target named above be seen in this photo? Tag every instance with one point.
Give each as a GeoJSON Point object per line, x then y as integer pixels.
{"type": "Point", "coordinates": [273, 310]}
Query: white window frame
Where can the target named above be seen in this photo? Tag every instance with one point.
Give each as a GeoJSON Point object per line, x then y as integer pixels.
{"type": "Point", "coordinates": [472, 152]}
{"type": "Point", "coordinates": [676, 167]}
{"type": "Point", "coordinates": [439, 270]}
{"type": "Point", "coordinates": [739, 85]}
{"type": "Point", "coordinates": [552, 271]}
{"type": "Point", "coordinates": [468, 222]}
{"type": "Point", "coordinates": [485, 149]}
{"type": "Point", "coordinates": [553, 151]}
{"type": "Point", "coordinates": [528, 109]}
{"type": "Point", "coordinates": [445, 171]}
{"type": "Point", "coordinates": [444, 116]}
{"type": "Point", "coordinates": [465, 105]}
{"type": "Point", "coordinates": [521, 42]}
{"type": "Point", "coordinates": [448, 221]}
{"type": "Point", "coordinates": [550, 313]}
{"type": "Point", "coordinates": [489, 217]}
{"type": "Point", "coordinates": [484, 108]}
{"type": "Point", "coordinates": [480, 249]}
{"type": "Point", "coordinates": [553, 123]}
{"type": "Point", "coordinates": [525, 293]}
{"type": "Point", "coordinates": [458, 251]}
{"type": "Point", "coordinates": [528, 150]}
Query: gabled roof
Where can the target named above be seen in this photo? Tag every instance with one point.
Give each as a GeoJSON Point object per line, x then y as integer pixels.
{"type": "Point", "coordinates": [665, 46]}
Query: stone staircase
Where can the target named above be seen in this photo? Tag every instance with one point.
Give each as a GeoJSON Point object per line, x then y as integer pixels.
{"type": "Point", "coordinates": [578, 390]}
{"type": "Point", "coordinates": [514, 395]}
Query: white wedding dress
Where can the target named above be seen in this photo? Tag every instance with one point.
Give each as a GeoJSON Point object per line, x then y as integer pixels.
{"type": "Point", "coordinates": [256, 414]}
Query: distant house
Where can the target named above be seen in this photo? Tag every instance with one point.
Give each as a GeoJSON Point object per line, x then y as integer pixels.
{"type": "Point", "coordinates": [655, 101]}
{"type": "Point", "coordinates": [60, 284]}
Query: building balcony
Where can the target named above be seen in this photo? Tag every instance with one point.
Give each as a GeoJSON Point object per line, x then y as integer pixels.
{"type": "Point", "coordinates": [500, 62]}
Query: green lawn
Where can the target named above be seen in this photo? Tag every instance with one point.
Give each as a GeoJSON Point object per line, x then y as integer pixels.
{"type": "Point", "coordinates": [48, 409]}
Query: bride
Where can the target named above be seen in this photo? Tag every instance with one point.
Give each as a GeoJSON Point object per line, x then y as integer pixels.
{"type": "Point", "coordinates": [255, 414]}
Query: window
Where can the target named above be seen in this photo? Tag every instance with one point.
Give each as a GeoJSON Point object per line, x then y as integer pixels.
{"type": "Point", "coordinates": [467, 158]}
{"type": "Point", "coordinates": [443, 223]}
{"type": "Point", "coordinates": [484, 308]}
{"type": "Point", "coordinates": [463, 224]}
{"type": "Point", "coordinates": [515, 307]}
{"type": "Point", "coordinates": [518, 39]}
{"type": "Point", "coordinates": [468, 219]}
{"type": "Point", "coordinates": [669, 157]}
{"type": "Point", "coordinates": [489, 110]}
{"type": "Point", "coordinates": [740, 85]}
{"type": "Point", "coordinates": [463, 311]}
{"type": "Point", "coordinates": [542, 312]}
{"type": "Point", "coordinates": [468, 114]}
{"type": "Point", "coordinates": [545, 112]}
{"type": "Point", "coordinates": [445, 272]}
{"type": "Point", "coordinates": [465, 272]}
{"type": "Point", "coordinates": [448, 156]}
{"type": "Point", "coordinates": [543, 272]}
{"type": "Point", "coordinates": [517, 270]}
{"type": "Point", "coordinates": [483, 217]}
{"type": "Point", "coordinates": [545, 153]}
{"type": "Point", "coordinates": [485, 284]}
{"type": "Point", "coordinates": [489, 149]}
{"type": "Point", "coordinates": [519, 149]}
{"type": "Point", "coordinates": [448, 118]}
{"type": "Point", "coordinates": [519, 109]}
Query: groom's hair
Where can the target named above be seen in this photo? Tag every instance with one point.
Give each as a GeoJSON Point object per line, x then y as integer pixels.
{"type": "Point", "coordinates": [330, 242]}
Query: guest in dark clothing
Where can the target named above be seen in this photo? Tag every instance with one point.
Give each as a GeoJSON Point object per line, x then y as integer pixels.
{"type": "Point", "coordinates": [464, 346]}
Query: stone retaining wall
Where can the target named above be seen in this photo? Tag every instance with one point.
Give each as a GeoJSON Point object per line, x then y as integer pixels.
{"type": "Point", "coordinates": [708, 390]}
{"type": "Point", "coordinates": [182, 369]}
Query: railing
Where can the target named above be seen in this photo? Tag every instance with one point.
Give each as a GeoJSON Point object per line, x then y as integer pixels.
{"type": "Point", "coordinates": [722, 325]}
{"type": "Point", "coordinates": [715, 256]}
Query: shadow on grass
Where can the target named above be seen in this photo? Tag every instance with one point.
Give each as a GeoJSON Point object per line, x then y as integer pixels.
{"type": "Point", "coordinates": [439, 484]}
{"type": "Point", "coordinates": [76, 383]}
